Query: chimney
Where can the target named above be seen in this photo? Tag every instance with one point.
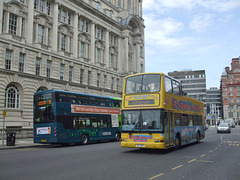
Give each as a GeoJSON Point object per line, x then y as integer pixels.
{"type": "Point", "coordinates": [227, 69]}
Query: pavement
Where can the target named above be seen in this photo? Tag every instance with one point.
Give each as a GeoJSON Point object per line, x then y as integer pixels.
{"type": "Point", "coordinates": [20, 143]}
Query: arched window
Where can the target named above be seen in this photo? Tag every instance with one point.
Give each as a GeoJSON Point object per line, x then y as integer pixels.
{"type": "Point", "coordinates": [98, 6]}
{"type": "Point", "coordinates": [12, 96]}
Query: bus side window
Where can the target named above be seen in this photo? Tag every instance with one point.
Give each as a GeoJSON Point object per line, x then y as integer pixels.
{"type": "Point", "coordinates": [75, 123]}
{"type": "Point", "coordinates": [190, 120]}
{"type": "Point", "coordinates": [176, 87]}
{"type": "Point", "coordinates": [168, 85]}
{"type": "Point", "coordinates": [177, 119]}
{"type": "Point", "coordinates": [184, 120]}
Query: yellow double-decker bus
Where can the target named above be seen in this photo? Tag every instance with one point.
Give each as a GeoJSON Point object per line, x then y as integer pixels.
{"type": "Point", "coordinates": [157, 115]}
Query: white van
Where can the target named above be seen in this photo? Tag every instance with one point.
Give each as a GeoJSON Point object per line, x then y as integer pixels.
{"type": "Point", "coordinates": [230, 122]}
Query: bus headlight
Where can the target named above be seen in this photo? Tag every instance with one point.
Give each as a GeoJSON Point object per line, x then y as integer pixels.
{"type": "Point", "coordinates": [124, 140]}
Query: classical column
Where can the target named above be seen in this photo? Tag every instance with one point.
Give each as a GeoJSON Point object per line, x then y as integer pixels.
{"type": "Point", "coordinates": [75, 35]}
{"type": "Point", "coordinates": [29, 36]}
{"type": "Point", "coordinates": [92, 46]}
{"type": "Point", "coordinates": [138, 5]}
{"type": "Point", "coordinates": [36, 33]}
{"type": "Point", "coordinates": [46, 36]}
{"type": "Point", "coordinates": [106, 56]}
{"type": "Point", "coordinates": [1, 16]}
{"type": "Point", "coordinates": [140, 8]}
{"type": "Point", "coordinates": [55, 28]}
{"type": "Point", "coordinates": [125, 65]}
{"type": "Point", "coordinates": [119, 65]}
{"type": "Point", "coordinates": [7, 15]}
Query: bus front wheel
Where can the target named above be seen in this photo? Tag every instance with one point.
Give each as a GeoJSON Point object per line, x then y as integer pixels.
{"type": "Point", "coordinates": [84, 139]}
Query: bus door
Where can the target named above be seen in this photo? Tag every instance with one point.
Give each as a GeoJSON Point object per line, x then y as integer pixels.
{"type": "Point", "coordinates": [169, 130]}
{"type": "Point", "coordinates": [166, 124]}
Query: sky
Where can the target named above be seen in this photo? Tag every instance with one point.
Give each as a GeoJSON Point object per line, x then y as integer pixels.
{"type": "Point", "coordinates": [191, 35]}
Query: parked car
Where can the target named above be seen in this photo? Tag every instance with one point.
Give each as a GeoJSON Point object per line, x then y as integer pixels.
{"type": "Point", "coordinates": [223, 127]}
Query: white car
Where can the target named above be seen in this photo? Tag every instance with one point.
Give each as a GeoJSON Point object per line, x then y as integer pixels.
{"type": "Point", "coordinates": [223, 127]}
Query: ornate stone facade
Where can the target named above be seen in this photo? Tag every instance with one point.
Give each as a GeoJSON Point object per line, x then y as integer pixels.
{"type": "Point", "coordinates": [230, 88]}
{"type": "Point", "coordinates": [85, 46]}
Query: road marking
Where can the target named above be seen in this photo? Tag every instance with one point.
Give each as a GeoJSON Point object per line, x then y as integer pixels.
{"type": "Point", "coordinates": [203, 155]}
{"type": "Point", "coordinates": [191, 160]}
{"type": "Point", "coordinates": [156, 176]}
{"type": "Point", "coordinates": [205, 161]}
{"type": "Point", "coordinates": [216, 148]}
{"type": "Point", "coordinates": [177, 167]}
{"type": "Point", "coordinates": [211, 151]}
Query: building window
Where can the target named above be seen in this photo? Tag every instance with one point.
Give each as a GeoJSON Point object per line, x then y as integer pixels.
{"type": "Point", "coordinates": [48, 8]}
{"type": "Point", "coordinates": [81, 76]}
{"type": "Point", "coordinates": [69, 18]}
{"type": "Point", "coordinates": [98, 6]}
{"type": "Point", "coordinates": [82, 25]}
{"type": "Point", "coordinates": [11, 96]}
{"type": "Point", "coordinates": [40, 34]}
{"type": "Point", "coordinates": [59, 14]}
{"type": "Point", "coordinates": [115, 40]}
{"type": "Point", "coordinates": [70, 73]}
{"type": "Point", "coordinates": [63, 16]}
{"type": "Point", "coordinates": [117, 85]}
{"type": "Point", "coordinates": [98, 55]}
{"type": "Point", "coordinates": [22, 1]}
{"type": "Point", "coordinates": [8, 59]}
{"type": "Point", "coordinates": [104, 81]}
{"type": "Point", "coordinates": [35, 4]}
{"type": "Point", "coordinates": [21, 62]}
{"type": "Point", "coordinates": [98, 80]}
{"type": "Point", "coordinates": [98, 33]}
{"type": "Point", "coordinates": [101, 33]}
{"type": "Point", "coordinates": [111, 14]}
{"type": "Point", "coordinates": [112, 83]}
{"type": "Point", "coordinates": [12, 23]}
{"type": "Point", "coordinates": [86, 26]}
{"type": "Point", "coordinates": [89, 77]}
{"type": "Point", "coordinates": [49, 64]}
{"type": "Point", "coordinates": [82, 51]}
{"type": "Point", "coordinates": [38, 66]}
{"type": "Point", "coordinates": [119, 3]}
{"type": "Point", "coordinates": [41, 5]}
{"type": "Point", "coordinates": [61, 71]}
{"type": "Point", "coordinates": [63, 42]}
{"type": "Point", "coordinates": [111, 60]}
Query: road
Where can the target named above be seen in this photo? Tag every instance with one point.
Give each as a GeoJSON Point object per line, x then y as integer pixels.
{"type": "Point", "coordinates": [215, 157]}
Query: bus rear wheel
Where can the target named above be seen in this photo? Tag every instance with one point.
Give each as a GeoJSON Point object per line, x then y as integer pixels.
{"type": "Point", "coordinates": [84, 139]}
{"type": "Point", "coordinates": [198, 137]}
{"type": "Point", "coordinates": [117, 136]}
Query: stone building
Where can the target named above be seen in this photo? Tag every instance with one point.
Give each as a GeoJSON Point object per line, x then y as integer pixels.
{"type": "Point", "coordinates": [230, 87]}
{"type": "Point", "coordinates": [86, 46]}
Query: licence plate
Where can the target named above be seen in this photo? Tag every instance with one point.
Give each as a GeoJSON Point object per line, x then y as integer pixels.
{"type": "Point", "coordinates": [43, 140]}
{"type": "Point", "coordinates": [140, 145]}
